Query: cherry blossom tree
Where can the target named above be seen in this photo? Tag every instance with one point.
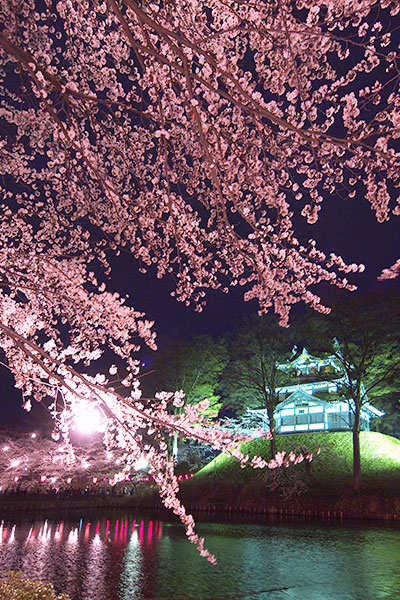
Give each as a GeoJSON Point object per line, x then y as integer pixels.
{"type": "Point", "coordinates": [189, 134]}
{"type": "Point", "coordinates": [34, 462]}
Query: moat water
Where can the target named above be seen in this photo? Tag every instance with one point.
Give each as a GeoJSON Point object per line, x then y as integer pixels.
{"type": "Point", "coordinates": [120, 556]}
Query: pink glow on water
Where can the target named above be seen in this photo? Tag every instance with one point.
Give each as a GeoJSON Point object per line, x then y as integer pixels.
{"type": "Point", "coordinates": [150, 532]}
{"type": "Point", "coordinates": [133, 525]}
{"type": "Point", "coordinates": [97, 527]}
{"type": "Point", "coordinates": [107, 530]}
{"type": "Point", "coordinates": [59, 531]}
{"type": "Point", "coordinates": [141, 531]}
{"type": "Point", "coordinates": [87, 532]}
{"type": "Point", "coordinates": [158, 529]}
{"type": "Point", "coordinates": [116, 530]}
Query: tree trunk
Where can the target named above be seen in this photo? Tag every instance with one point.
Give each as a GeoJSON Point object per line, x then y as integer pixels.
{"type": "Point", "coordinates": [272, 442]}
{"type": "Point", "coordinates": [356, 451]}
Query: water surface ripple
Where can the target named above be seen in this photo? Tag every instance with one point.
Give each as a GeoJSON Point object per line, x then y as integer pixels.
{"type": "Point", "coordinates": [120, 557]}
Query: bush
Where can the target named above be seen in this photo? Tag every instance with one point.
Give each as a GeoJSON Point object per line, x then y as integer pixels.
{"type": "Point", "coordinates": [16, 586]}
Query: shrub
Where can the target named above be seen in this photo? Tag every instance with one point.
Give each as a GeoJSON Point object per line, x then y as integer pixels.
{"type": "Point", "coordinates": [16, 586]}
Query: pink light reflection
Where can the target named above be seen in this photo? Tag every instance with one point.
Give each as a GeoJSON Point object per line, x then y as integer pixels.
{"type": "Point", "coordinates": [107, 530]}
{"type": "Point", "coordinates": [116, 530]}
{"type": "Point", "coordinates": [150, 532]}
{"type": "Point", "coordinates": [141, 531]}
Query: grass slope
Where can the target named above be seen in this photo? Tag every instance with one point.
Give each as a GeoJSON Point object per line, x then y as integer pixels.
{"type": "Point", "coordinates": [331, 470]}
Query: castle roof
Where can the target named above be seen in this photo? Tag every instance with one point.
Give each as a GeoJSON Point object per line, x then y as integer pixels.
{"type": "Point", "coordinates": [305, 359]}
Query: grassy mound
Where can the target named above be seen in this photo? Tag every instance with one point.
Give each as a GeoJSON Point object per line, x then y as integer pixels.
{"type": "Point", "coordinates": [329, 472]}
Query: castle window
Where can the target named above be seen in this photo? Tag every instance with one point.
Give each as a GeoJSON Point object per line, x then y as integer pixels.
{"type": "Point", "coordinates": [301, 419]}
{"type": "Point", "coordinates": [317, 417]}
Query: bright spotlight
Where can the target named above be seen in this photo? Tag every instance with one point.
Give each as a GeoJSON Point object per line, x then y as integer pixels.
{"type": "Point", "coordinates": [88, 419]}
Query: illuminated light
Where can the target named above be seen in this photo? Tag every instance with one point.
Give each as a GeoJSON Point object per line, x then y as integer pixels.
{"type": "Point", "coordinates": [43, 478]}
{"type": "Point", "coordinates": [69, 479]}
{"type": "Point", "coordinates": [191, 474]}
{"type": "Point", "coordinates": [33, 435]}
{"type": "Point", "coordinates": [16, 478]}
{"type": "Point", "coordinates": [142, 463]}
{"type": "Point", "coordinates": [186, 476]}
{"type": "Point", "coordinates": [5, 448]}
{"type": "Point", "coordinates": [94, 479]}
{"type": "Point", "coordinates": [88, 418]}
{"type": "Point", "coordinates": [179, 477]}
{"type": "Point", "coordinates": [147, 479]}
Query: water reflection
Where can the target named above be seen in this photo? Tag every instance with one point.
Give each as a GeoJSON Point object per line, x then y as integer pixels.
{"type": "Point", "coordinates": [126, 558]}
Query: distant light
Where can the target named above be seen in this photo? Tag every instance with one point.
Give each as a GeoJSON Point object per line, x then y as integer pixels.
{"type": "Point", "coordinates": [43, 478]}
{"type": "Point", "coordinates": [16, 478]}
{"type": "Point", "coordinates": [69, 479]}
{"type": "Point", "coordinates": [142, 463]}
{"type": "Point", "coordinates": [33, 435]}
{"type": "Point", "coordinates": [15, 463]}
{"type": "Point", "coordinates": [94, 479]}
{"type": "Point", "coordinates": [5, 448]}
